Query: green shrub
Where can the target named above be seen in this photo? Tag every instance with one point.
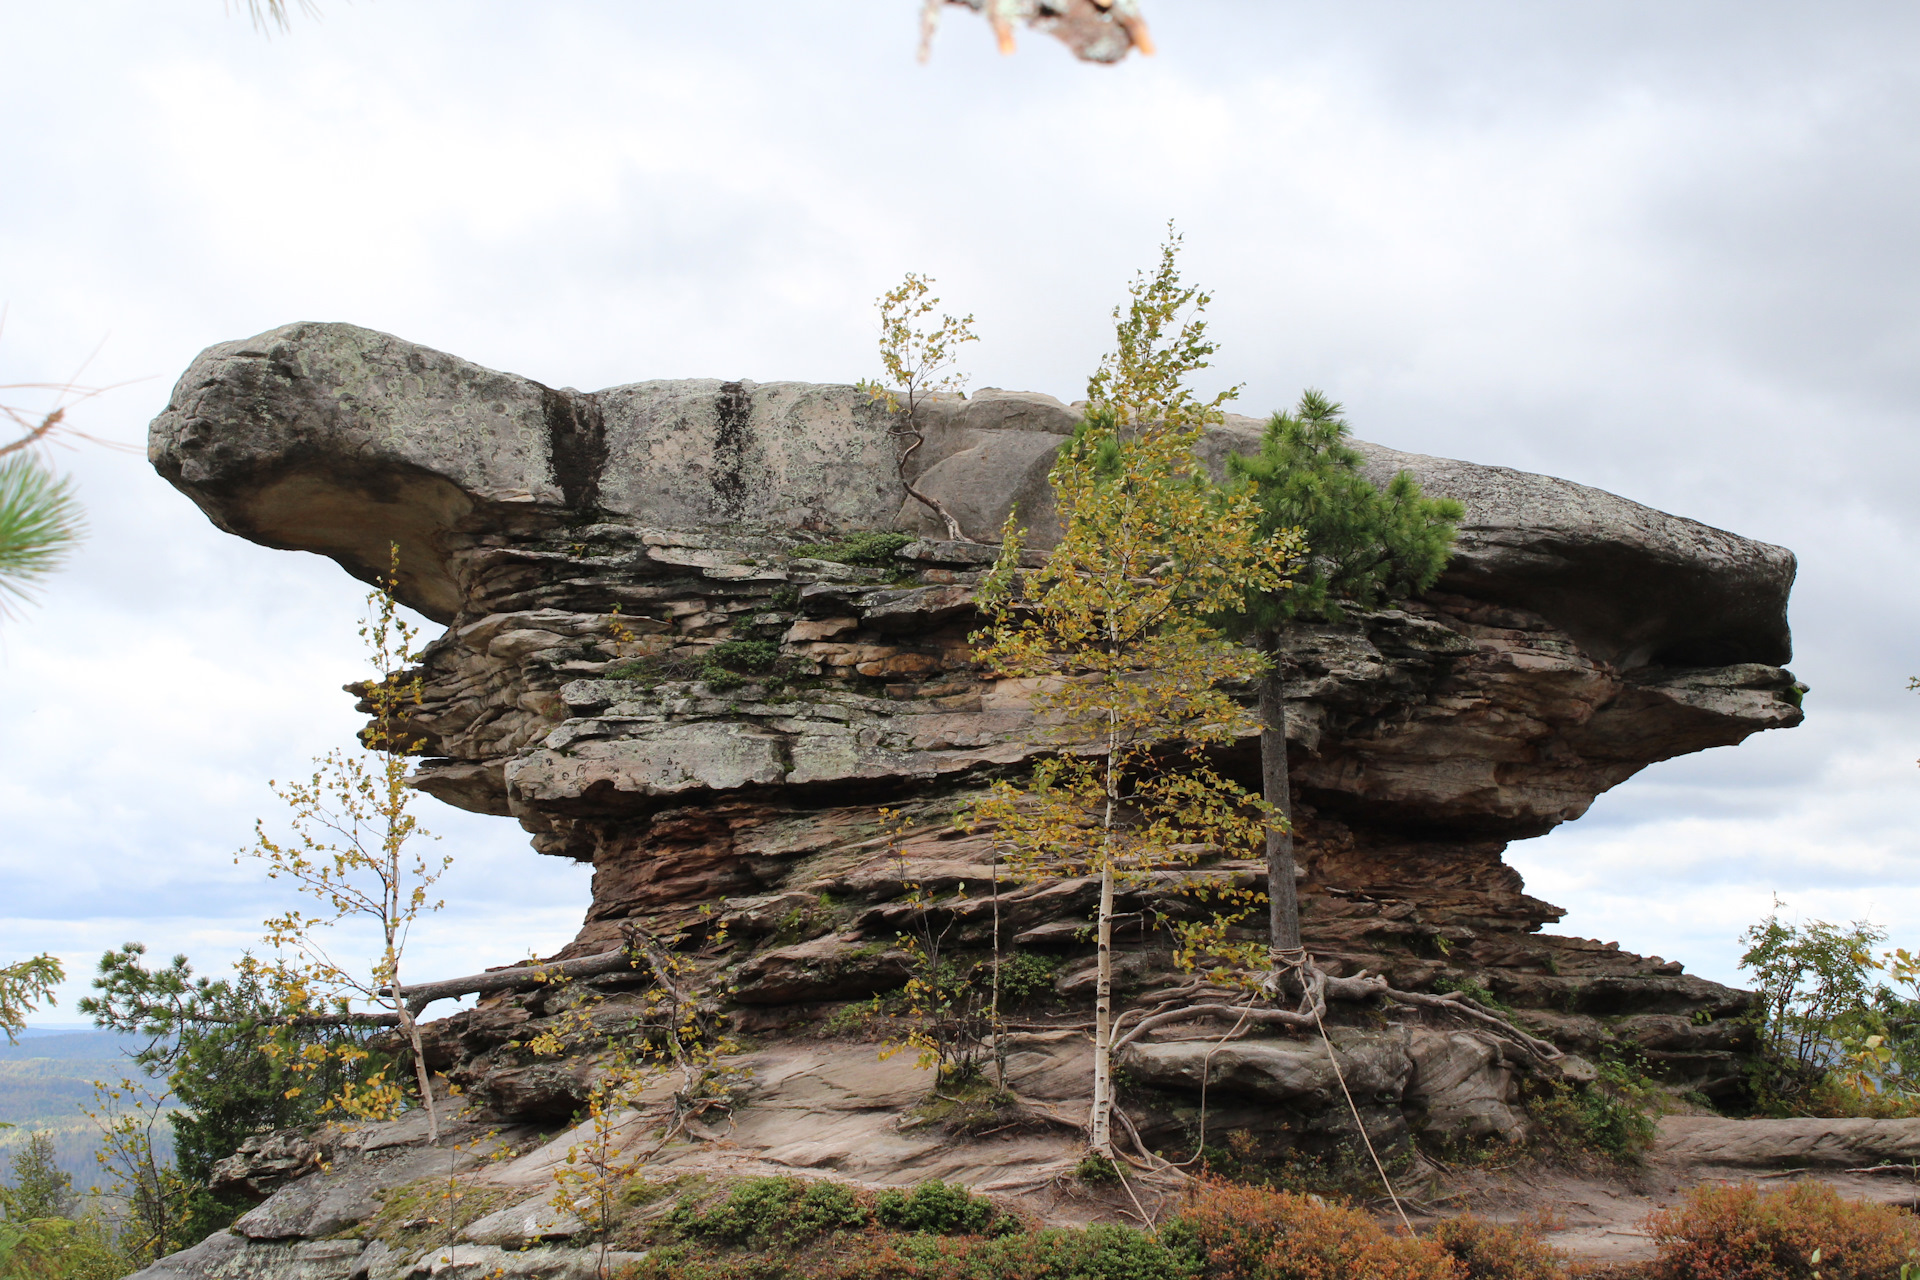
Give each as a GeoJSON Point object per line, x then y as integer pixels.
{"type": "Point", "coordinates": [722, 666]}
{"type": "Point", "coordinates": [1474, 991]}
{"type": "Point", "coordinates": [745, 655]}
{"type": "Point", "coordinates": [824, 1207]}
{"type": "Point", "coordinates": [1096, 1169]}
{"type": "Point", "coordinates": [1605, 1117]}
{"type": "Point", "coordinates": [1835, 1040]}
{"type": "Point", "coordinates": [972, 1107]}
{"type": "Point", "coordinates": [656, 670]}
{"type": "Point", "coordinates": [936, 1208]}
{"type": "Point", "coordinates": [1491, 1251]}
{"type": "Point", "coordinates": [62, 1249]}
{"type": "Point", "coordinates": [764, 1211]}
{"type": "Point", "coordinates": [1097, 1253]}
{"type": "Point", "coordinates": [1024, 975]}
{"type": "Point", "coordinates": [1740, 1232]}
{"type": "Point", "coordinates": [871, 548]}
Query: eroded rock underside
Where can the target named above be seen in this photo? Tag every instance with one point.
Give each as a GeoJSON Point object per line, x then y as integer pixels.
{"type": "Point", "coordinates": [590, 554]}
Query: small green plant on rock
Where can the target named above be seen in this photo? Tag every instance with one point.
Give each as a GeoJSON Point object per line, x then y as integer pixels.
{"type": "Point", "coordinates": [752, 656]}
{"type": "Point", "coordinates": [1601, 1118]}
{"type": "Point", "coordinates": [872, 548]}
{"type": "Point", "coordinates": [726, 665]}
{"type": "Point", "coordinates": [1095, 1169]}
{"type": "Point", "coordinates": [1473, 991]}
{"type": "Point", "coordinates": [430, 1211]}
{"type": "Point", "coordinates": [972, 1108]}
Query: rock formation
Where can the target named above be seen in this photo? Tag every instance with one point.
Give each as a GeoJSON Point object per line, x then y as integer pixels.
{"type": "Point", "coordinates": [660, 661]}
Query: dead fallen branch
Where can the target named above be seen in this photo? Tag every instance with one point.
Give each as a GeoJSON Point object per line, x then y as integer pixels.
{"type": "Point", "coordinates": [1911, 1167]}
{"type": "Point", "coordinates": [423, 994]}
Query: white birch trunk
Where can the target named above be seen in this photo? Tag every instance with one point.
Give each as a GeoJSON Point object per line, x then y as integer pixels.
{"type": "Point", "coordinates": [1102, 1129]}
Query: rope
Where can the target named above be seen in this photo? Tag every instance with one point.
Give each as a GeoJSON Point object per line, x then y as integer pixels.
{"type": "Point", "coordinates": [1360, 1124]}
{"type": "Point", "coordinates": [1206, 1074]}
{"type": "Point", "coordinates": [1144, 1215]}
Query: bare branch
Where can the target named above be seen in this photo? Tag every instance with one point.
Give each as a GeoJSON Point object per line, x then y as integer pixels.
{"type": "Point", "coordinates": [420, 995]}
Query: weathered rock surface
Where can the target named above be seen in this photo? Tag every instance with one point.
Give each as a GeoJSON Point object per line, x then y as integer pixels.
{"type": "Point", "coordinates": [1797, 1143]}
{"type": "Point", "coordinates": [836, 1110]}
{"type": "Point", "coordinates": [649, 664]}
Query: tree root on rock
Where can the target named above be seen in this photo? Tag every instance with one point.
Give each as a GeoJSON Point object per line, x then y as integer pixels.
{"type": "Point", "coordinates": [1199, 999]}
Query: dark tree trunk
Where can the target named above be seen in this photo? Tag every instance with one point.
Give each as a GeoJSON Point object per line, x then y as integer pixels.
{"type": "Point", "coordinates": [1283, 904]}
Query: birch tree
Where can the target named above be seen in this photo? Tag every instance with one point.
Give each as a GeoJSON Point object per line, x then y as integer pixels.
{"type": "Point", "coordinates": [918, 357]}
{"type": "Point", "coordinates": [1112, 632]}
{"type": "Point", "coordinates": [356, 849]}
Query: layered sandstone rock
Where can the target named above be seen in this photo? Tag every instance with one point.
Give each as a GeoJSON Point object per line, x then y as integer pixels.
{"type": "Point", "coordinates": [649, 664]}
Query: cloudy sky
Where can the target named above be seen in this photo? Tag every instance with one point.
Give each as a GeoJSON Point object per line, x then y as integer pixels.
{"type": "Point", "coordinates": [1663, 249]}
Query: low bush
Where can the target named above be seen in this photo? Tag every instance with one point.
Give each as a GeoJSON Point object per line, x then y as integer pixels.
{"type": "Point", "coordinates": [1799, 1232]}
{"type": "Point", "coordinates": [721, 666]}
{"type": "Point", "coordinates": [935, 1207]}
{"type": "Point", "coordinates": [1097, 1253]}
{"type": "Point", "coordinates": [764, 1211]}
{"type": "Point", "coordinates": [1492, 1251]}
{"type": "Point", "coordinates": [753, 656]}
{"type": "Point", "coordinates": [1605, 1118]}
{"type": "Point", "coordinates": [1250, 1233]}
{"type": "Point", "coordinates": [62, 1249]}
{"type": "Point", "coordinates": [974, 1109]}
{"type": "Point", "coordinates": [787, 1229]}
{"type": "Point", "coordinates": [1096, 1170]}
{"type": "Point", "coordinates": [871, 548]}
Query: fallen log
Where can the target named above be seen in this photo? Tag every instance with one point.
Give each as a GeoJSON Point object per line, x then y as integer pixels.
{"type": "Point", "coordinates": [420, 995]}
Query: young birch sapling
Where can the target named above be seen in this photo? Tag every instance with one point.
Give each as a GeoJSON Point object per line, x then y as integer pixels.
{"type": "Point", "coordinates": [154, 1200]}
{"type": "Point", "coordinates": [1113, 635]}
{"type": "Point", "coordinates": [681, 1031]}
{"type": "Point", "coordinates": [917, 360]}
{"type": "Point", "coordinates": [950, 1008]}
{"type": "Point", "coordinates": [354, 847]}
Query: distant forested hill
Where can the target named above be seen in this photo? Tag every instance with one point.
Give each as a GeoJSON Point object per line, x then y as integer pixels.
{"type": "Point", "coordinates": [46, 1079]}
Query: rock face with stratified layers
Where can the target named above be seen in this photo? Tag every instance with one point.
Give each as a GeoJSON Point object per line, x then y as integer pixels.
{"type": "Point", "coordinates": [656, 660]}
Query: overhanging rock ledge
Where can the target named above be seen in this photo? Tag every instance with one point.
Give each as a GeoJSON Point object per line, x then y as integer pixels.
{"type": "Point", "coordinates": [587, 552]}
